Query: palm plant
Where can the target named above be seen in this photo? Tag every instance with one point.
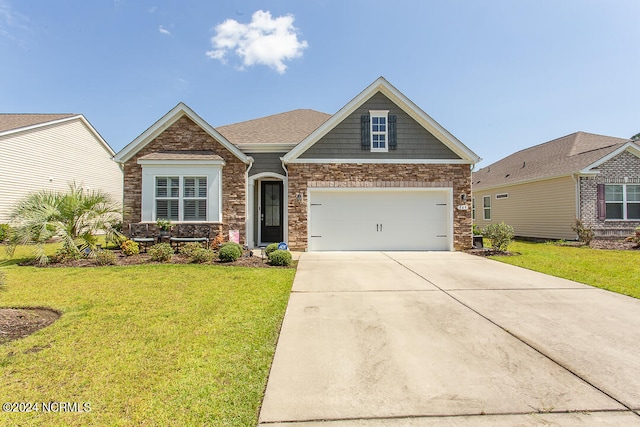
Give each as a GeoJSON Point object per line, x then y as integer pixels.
{"type": "Point", "coordinates": [74, 216]}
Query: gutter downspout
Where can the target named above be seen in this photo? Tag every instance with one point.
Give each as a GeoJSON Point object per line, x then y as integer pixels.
{"type": "Point", "coordinates": [576, 178]}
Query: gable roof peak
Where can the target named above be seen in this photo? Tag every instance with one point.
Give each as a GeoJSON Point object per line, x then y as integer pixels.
{"type": "Point", "coordinates": [177, 112]}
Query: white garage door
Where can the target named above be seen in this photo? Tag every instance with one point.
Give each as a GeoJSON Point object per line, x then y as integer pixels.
{"type": "Point", "coordinates": [380, 219]}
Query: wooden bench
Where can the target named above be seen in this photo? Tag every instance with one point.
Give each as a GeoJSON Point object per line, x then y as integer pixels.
{"type": "Point", "coordinates": [188, 233]}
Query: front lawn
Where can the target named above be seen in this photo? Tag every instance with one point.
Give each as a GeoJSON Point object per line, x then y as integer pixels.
{"type": "Point", "coordinates": [614, 270]}
{"type": "Point", "coordinates": [144, 345]}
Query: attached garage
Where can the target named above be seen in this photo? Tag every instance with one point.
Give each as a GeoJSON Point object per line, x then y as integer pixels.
{"type": "Point", "coordinates": [392, 219]}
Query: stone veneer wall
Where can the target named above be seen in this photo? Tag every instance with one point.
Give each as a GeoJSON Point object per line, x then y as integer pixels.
{"type": "Point", "coordinates": [614, 171]}
{"type": "Point", "coordinates": [185, 134]}
{"type": "Point", "coordinates": [352, 175]}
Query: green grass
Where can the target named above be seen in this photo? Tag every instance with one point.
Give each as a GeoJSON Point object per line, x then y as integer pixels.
{"type": "Point", "coordinates": [144, 345]}
{"type": "Point", "coordinates": [614, 270]}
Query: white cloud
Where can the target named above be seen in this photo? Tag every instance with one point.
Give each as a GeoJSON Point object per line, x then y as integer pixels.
{"type": "Point", "coordinates": [265, 40]}
{"type": "Point", "coordinates": [11, 21]}
{"type": "Point", "coordinates": [164, 30]}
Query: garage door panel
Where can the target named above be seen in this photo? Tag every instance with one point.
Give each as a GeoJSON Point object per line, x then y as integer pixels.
{"type": "Point", "coordinates": [379, 220]}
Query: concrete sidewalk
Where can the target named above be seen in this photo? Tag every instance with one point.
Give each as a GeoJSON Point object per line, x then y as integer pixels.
{"type": "Point", "coordinates": [446, 338]}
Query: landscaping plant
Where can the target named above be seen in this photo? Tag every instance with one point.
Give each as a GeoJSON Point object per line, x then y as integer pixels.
{"type": "Point", "coordinates": [105, 257]}
{"type": "Point", "coordinates": [500, 235]}
{"type": "Point", "coordinates": [4, 232]}
{"type": "Point", "coordinates": [129, 248]}
{"type": "Point", "coordinates": [189, 248]}
{"type": "Point", "coordinates": [270, 248]}
{"type": "Point", "coordinates": [75, 216]}
{"type": "Point", "coordinates": [635, 238]}
{"type": "Point", "coordinates": [585, 234]}
{"type": "Point", "coordinates": [162, 252]}
{"type": "Point", "coordinates": [280, 257]}
{"type": "Point", "coordinates": [230, 252]}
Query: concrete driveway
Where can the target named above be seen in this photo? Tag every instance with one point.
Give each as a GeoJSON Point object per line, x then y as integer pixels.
{"type": "Point", "coordinates": [448, 339]}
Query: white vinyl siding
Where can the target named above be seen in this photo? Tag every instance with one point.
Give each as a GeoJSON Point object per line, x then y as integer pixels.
{"type": "Point", "coordinates": [542, 209]}
{"type": "Point", "coordinates": [50, 158]}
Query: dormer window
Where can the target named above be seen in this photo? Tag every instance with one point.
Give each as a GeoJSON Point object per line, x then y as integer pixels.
{"type": "Point", "coordinates": [378, 131]}
{"type": "Point", "coordinates": [379, 126]}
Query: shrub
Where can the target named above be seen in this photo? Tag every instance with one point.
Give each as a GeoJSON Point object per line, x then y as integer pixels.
{"type": "Point", "coordinates": [161, 252]}
{"type": "Point", "coordinates": [280, 257]}
{"type": "Point", "coordinates": [201, 256]}
{"type": "Point", "coordinates": [500, 235]}
{"type": "Point", "coordinates": [585, 234]}
{"type": "Point", "coordinates": [270, 248]}
{"type": "Point", "coordinates": [217, 241]}
{"type": "Point", "coordinates": [105, 258]}
{"type": "Point", "coordinates": [65, 254]}
{"type": "Point", "coordinates": [188, 249]}
{"type": "Point", "coordinates": [230, 252]}
{"type": "Point", "coordinates": [4, 232]}
{"type": "Point", "coordinates": [635, 238]}
{"type": "Point", "coordinates": [129, 247]}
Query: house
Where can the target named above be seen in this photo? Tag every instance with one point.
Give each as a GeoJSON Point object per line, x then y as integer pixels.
{"type": "Point", "coordinates": [50, 151]}
{"type": "Point", "coordinates": [380, 174]}
{"type": "Point", "coordinates": [541, 190]}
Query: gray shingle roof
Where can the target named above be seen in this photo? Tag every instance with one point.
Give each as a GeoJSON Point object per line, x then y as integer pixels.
{"type": "Point", "coordinates": [17, 121]}
{"type": "Point", "coordinates": [289, 128]}
{"type": "Point", "coordinates": [559, 157]}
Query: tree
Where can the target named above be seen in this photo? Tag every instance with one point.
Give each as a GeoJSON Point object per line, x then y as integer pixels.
{"type": "Point", "coordinates": [636, 137]}
{"type": "Point", "coordinates": [74, 216]}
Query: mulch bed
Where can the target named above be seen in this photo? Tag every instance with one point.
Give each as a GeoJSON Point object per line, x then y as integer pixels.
{"type": "Point", "coordinates": [609, 244]}
{"type": "Point", "coordinates": [143, 258]}
{"type": "Point", "coordinates": [19, 322]}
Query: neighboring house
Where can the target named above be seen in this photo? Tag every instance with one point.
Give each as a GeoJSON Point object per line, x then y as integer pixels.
{"type": "Point", "coordinates": [50, 151]}
{"type": "Point", "coordinates": [380, 174]}
{"type": "Point", "coordinates": [540, 191]}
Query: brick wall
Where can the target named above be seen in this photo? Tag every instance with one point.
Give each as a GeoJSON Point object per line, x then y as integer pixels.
{"type": "Point", "coordinates": [351, 175]}
{"type": "Point", "coordinates": [614, 171]}
{"type": "Point", "coordinates": [185, 134]}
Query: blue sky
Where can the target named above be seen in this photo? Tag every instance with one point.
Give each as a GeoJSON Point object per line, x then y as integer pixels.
{"type": "Point", "coordinates": [500, 75]}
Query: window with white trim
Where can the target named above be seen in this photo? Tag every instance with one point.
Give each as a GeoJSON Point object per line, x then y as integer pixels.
{"type": "Point", "coordinates": [486, 207]}
{"type": "Point", "coordinates": [622, 201]}
{"type": "Point", "coordinates": [190, 204]}
{"type": "Point", "coordinates": [181, 190]}
{"type": "Point", "coordinates": [379, 127]}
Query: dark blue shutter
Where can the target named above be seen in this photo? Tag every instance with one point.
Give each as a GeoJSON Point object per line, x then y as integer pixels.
{"type": "Point", "coordinates": [365, 131]}
{"type": "Point", "coordinates": [393, 137]}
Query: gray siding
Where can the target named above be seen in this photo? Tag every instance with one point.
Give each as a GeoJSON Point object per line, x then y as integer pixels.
{"type": "Point", "coordinates": [414, 141]}
{"type": "Point", "coordinates": [266, 162]}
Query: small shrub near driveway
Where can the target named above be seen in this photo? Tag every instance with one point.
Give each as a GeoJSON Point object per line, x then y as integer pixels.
{"type": "Point", "coordinates": [500, 235]}
{"type": "Point", "coordinates": [105, 258]}
{"type": "Point", "coordinates": [270, 248]}
{"type": "Point", "coordinates": [280, 258]}
{"type": "Point", "coordinates": [162, 252]}
{"type": "Point", "coordinates": [129, 248]}
{"type": "Point", "coordinates": [230, 252]}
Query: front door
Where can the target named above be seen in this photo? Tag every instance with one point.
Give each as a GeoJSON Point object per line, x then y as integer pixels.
{"type": "Point", "coordinates": [271, 217]}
